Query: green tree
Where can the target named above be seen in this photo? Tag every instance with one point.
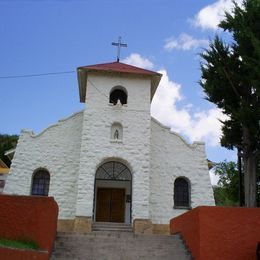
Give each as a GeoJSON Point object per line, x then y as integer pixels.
{"type": "Point", "coordinates": [231, 79]}
{"type": "Point", "coordinates": [226, 192]}
{"type": "Point", "coordinates": [7, 142]}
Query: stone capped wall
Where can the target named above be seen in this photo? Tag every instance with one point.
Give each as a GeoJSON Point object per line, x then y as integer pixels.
{"type": "Point", "coordinates": [56, 149]}
{"type": "Point", "coordinates": [172, 157]}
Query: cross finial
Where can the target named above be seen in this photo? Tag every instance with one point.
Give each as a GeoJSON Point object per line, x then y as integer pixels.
{"type": "Point", "coordinates": [119, 45]}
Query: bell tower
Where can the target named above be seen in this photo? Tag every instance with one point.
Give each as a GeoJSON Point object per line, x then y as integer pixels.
{"type": "Point", "coordinates": [116, 128]}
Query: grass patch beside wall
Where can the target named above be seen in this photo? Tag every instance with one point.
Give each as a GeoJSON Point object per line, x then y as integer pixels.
{"type": "Point", "coordinates": [21, 244]}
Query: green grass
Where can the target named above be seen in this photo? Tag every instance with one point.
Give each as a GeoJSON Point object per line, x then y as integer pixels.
{"type": "Point", "coordinates": [21, 244]}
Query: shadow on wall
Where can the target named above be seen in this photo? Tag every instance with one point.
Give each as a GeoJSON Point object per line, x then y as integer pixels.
{"type": "Point", "coordinates": [219, 232]}
{"type": "Point", "coordinates": [32, 218]}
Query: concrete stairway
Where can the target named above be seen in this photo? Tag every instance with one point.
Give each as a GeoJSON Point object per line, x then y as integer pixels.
{"type": "Point", "coordinates": [117, 243]}
{"type": "Point", "coordinates": [113, 227]}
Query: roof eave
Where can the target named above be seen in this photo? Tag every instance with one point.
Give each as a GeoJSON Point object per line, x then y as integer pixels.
{"type": "Point", "coordinates": [155, 83]}
{"type": "Point", "coordinates": [82, 74]}
{"type": "Point", "coordinates": [82, 82]}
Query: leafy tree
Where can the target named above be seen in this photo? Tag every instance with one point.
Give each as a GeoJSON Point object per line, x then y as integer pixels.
{"type": "Point", "coordinates": [231, 79]}
{"type": "Point", "coordinates": [221, 197]}
{"type": "Point", "coordinates": [226, 192]}
{"type": "Point", "coordinates": [7, 142]}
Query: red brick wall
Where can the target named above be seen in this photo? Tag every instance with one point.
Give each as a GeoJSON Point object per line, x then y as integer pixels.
{"type": "Point", "coordinates": [220, 232]}
{"type": "Point", "coordinates": [29, 217]}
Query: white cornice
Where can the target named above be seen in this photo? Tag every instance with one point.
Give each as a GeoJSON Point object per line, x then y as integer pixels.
{"type": "Point", "coordinates": [32, 134]}
{"type": "Point", "coordinates": [194, 145]}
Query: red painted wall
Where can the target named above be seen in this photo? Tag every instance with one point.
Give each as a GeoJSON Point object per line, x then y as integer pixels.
{"type": "Point", "coordinates": [220, 232]}
{"type": "Point", "coordinates": [29, 217]}
{"type": "Point", "coordinates": [18, 254]}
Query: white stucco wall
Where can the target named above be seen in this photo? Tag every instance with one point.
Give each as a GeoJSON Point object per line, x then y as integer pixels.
{"type": "Point", "coordinates": [56, 149]}
{"type": "Point", "coordinates": [172, 157]}
{"type": "Point", "coordinates": [134, 150]}
{"type": "Point", "coordinates": [74, 148]}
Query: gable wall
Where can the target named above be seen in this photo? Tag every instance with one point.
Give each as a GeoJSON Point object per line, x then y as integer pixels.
{"type": "Point", "coordinates": [172, 157]}
{"type": "Point", "coordinates": [56, 149]}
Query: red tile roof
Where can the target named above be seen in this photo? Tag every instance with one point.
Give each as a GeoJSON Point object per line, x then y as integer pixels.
{"type": "Point", "coordinates": [119, 67]}
{"type": "Point", "coordinates": [115, 67]}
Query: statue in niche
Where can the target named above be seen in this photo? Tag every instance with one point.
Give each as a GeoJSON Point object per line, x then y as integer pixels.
{"type": "Point", "coordinates": [116, 135]}
{"type": "Point", "coordinates": [118, 103]}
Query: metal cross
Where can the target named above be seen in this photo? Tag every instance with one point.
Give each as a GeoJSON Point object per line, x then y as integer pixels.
{"type": "Point", "coordinates": [119, 45]}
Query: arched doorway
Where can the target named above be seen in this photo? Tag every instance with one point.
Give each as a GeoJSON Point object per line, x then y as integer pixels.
{"type": "Point", "coordinates": [113, 193]}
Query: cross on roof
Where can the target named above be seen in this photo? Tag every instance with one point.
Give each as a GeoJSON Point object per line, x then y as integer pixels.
{"type": "Point", "coordinates": [119, 45]}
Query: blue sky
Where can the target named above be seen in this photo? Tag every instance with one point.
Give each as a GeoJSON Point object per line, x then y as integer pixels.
{"type": "Point", "coordinates": [59, 36]}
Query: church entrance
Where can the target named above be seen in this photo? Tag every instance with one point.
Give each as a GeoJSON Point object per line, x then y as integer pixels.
{"type": "Point", "coordinates": [113, 192]}
{"type": "Point", "coordinates": [110, 205]}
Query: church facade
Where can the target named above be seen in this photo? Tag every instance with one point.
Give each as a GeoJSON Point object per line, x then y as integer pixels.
{"type": "Point", "coordinates": [112, 162]}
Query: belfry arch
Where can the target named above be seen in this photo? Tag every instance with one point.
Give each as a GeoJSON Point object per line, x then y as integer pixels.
{"type": "Point", "coordinates": [118, 93]}
{"type": "Point", "coordinates": [113, 193]}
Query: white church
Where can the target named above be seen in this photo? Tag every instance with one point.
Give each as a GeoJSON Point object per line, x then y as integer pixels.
{"type": "Point", "coordinates": [112, 162]}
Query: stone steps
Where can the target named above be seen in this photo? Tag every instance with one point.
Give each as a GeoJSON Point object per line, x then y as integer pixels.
{"type": "Point", "coordinates": [108, 245]}
{"type": "Point", "coordinates": [115, 227]}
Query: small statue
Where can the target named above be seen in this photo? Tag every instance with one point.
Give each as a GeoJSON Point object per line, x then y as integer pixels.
{"type": "Point", "coordinates": [118, 103]}
{"type": "Point", "coordinates": [116, 135]}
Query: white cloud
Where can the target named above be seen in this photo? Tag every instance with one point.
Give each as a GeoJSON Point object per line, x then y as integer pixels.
{"type": "Point", "coordinates": [136, 59]}
{"type": "Point", "coordinates": [184, 42]}
{"type": "Point", "coordinates": [210, 16]}
{"type": "Point", "coordinates": [197, 126]}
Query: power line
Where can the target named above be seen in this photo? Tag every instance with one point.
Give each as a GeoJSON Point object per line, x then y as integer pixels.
{"type": "Point", "coordinates": [36, 75]}
{"type": "Point", "coordinates": [97, 88]}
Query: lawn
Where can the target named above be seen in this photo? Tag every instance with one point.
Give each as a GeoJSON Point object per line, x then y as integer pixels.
{"type": "Point", "coordinates": [21, 244]}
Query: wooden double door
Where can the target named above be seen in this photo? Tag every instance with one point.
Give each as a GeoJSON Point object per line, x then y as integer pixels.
{"type": "Point", "coordinates": [110, 205]}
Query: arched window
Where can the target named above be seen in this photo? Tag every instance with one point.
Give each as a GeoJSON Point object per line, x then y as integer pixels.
{"type": "Point", "coordinates": [116, 94]}
{"type": "Point", "coordinates": [40, 183]}
{"type": "Point", "coordinates": [181, 193]}
{"type": "Point", "coordinates": [113, 170]}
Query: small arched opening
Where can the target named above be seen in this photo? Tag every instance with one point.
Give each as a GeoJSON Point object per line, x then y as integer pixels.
{"type": "Point", "coordinates": [118, 94]}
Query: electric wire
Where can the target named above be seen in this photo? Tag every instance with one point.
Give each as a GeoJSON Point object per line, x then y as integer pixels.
{"type": "Point", "coordinates": [57, 73]}
{"type": "Point", "coordinates": [36, 75]}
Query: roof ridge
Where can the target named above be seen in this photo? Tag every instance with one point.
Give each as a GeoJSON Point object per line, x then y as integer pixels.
{"type": "Point", "coordinates": [119, 66]}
